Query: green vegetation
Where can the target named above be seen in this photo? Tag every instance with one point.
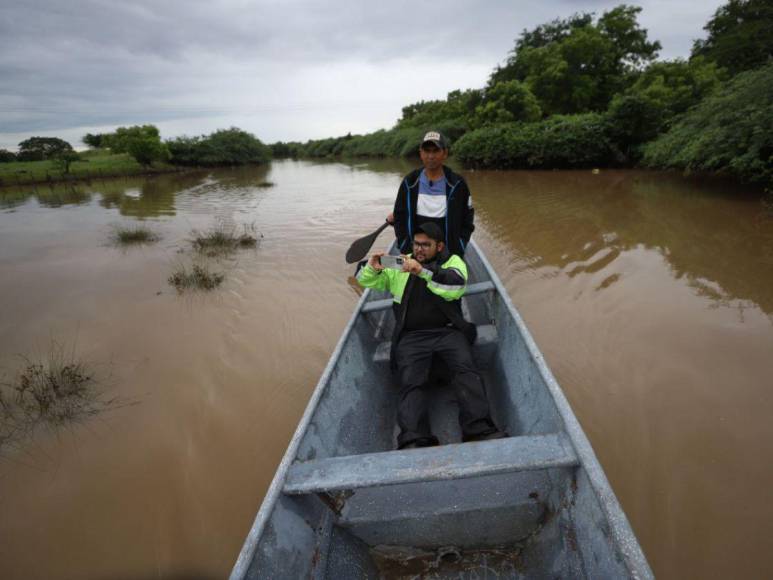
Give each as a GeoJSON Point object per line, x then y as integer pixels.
{"type": "Point", "coordinates": [560, 141]}
{"type": "Point", "coordinates": [91, 164]}
{"type": "Point", "coordinates": [127, 151]}
{"type": "Point", "coordinates": [143, 143]}
{"type": "Point", "coordinates": [578, 65]}
{"type": "Point", "coordinates": [224, 238]}
{"type": "Point", "coordinates": [729, 132]}
{"type": "Point", "coordinates": [42, 148]}
{"type": "Point", "coordinates": [225, 147]}
{"type": "Point", "coordinates": [53, 391]}
{"type": "Point", "coordinates": [740, 36]}
{"type": "Point", "coordinates": [198, 277]}
{"type": "Point", "coordinates": [136, 234]}
{"type": "Point", "coordinates": [587, 91]}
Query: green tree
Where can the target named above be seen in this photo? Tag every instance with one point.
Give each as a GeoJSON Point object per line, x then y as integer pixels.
{"type": "Point", "coordinates": [143, 142]}
{"type": "Point", "coordinates": [224, 147]}
{"type": "Point", "coordinates": [577, 65]}
{"type": "Point", "coordinates": [233, 147]}
{"type": "Point", "coordinates": [543, 35]}
{"type": "Point", "coordinates": [146, 149]}
{"type": "Point", "coordinates": [63, 160]}
{"type": "Point", "coordinates": [118, 142]}
{"type": "Point", "coordinates": [7, 156]}
{"type": "Point", "coordinates": [507, 102]}
{"type": "Point", "coordinates": [740, 35]}
{"type": "Point", "coordinates": [458, 107]}
{"type": "Point", "coordinates": [93, 140]}
{"type": "Point", "coordinates": [660, 94]}
{"type": "Point", "coordinates": [730, 131]}
{"type": "Point", "coordinates": [40, 148]}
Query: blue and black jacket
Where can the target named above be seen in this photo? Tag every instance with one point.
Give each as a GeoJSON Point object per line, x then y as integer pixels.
{"type": "Point", "coordinates": [458, 224]}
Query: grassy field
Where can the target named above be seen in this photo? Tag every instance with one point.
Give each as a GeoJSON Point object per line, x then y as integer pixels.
{"type": "Point", "coordinates": [93, 164]}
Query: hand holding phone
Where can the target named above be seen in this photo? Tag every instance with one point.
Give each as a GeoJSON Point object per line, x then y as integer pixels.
{"type": "Point", "coordinates": [394, 262]}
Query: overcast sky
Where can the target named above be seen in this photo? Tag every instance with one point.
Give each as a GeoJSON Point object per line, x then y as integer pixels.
{"type": "Point", "coordinates": [283, 70]}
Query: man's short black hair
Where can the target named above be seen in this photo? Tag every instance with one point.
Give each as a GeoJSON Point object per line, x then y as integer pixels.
{"type": "Point", "coordinates": [432, 231]}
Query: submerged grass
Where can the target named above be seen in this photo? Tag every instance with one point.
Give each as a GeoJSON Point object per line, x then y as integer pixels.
{"type": "Point", "coordinates": [138, 234]}
{"type": "Point", "coordinates": [52, 391]}
{"type": "Point", "coordinates": [197, 277]}
{"type": "Point", "coordinates": [224, 238]}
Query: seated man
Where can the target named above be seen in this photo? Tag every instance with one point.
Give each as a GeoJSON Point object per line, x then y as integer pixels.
{"type": "Point", "coordinates": [428, 321]}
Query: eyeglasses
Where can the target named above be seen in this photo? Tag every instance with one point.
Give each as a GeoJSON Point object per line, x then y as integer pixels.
{"type": "Point", "coordinates": [423, 245]}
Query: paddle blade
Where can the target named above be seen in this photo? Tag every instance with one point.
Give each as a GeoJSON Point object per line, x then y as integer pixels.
{"type": "Point", "coordinates": [359, 248]}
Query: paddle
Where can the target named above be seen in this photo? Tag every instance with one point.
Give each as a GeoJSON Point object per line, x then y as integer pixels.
{"type": "Point", "coordinates": [359, 248]}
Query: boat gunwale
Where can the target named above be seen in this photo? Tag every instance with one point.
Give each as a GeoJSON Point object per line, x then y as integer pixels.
{"type": "Point", "coordinates": [247, 553]}
{"type": "Point", "coordinates": [620, 528]}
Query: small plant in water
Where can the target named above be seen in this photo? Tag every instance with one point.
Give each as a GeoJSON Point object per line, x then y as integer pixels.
{"type": "Point", "coordinates": [53, 391]}
{"type": "Point", "coordinates": [139, 234]}
{"type": "Point", "coordinates": [197, 278]}
{"type": "Point", "coordinates": [224, 238]}
{"type": "Point", "coordinates": [266, 184]}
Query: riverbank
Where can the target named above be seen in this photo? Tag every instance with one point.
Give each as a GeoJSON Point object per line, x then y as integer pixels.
{"type": "Point", "coordinates": [91, 165]}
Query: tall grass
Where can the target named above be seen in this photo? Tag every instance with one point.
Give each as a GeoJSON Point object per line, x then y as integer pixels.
{"type": "Point", "coordinates": [131, 235]}
{"type": "Point", "coordinates": [197, 277]}
{"type": "Point", "coordinates": [52, 390]}
{"type": "Point", "coordinates": [224, 238]}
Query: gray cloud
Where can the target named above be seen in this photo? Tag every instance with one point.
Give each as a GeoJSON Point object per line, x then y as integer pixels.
{"type": "Point", "coordinates": [290, 69]}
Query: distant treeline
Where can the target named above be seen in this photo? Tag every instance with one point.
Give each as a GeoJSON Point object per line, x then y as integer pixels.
{"type": "Point", "coordinates": [143, 143]}
{"type": "Point", "coordinates": [589, 92]}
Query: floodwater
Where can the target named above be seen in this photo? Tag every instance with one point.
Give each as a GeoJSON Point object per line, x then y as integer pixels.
{"type": "Point", "coordinates": [651, 297]}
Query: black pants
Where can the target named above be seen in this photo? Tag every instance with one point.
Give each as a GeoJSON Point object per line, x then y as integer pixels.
{"type": "Point", "coordinates": [414, 361]}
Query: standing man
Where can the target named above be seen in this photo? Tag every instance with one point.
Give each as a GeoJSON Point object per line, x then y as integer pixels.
{"type": "Point", "coordinates": [428, 321]}
{"type": "Point", "coordinates": [434, 194]}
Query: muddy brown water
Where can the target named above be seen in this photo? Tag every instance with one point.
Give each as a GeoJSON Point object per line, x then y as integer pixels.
{"type": "Point", "coordinates": [651, 297]}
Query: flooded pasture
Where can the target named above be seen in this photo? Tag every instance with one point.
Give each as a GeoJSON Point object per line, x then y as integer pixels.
{"type": "Point", "coordinates": [651, 297]}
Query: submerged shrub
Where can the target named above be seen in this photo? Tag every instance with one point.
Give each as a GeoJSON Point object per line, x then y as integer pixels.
{"type": "Point", "coordinates": [53, 391]}
{"type": "Point", "coordinates": [224, 238]}
{"type": "Point", "coordinates": [138, 234]}
{"type": "Point", "coordinates": [198, 277]}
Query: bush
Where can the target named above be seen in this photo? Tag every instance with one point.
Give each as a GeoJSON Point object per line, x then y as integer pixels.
{"type": "Point", "coordinates": [224, 147]}
{"type": "Point", "coordinates": [506, 102]}
{"type": "Point", "coordinates": [142, 142]}
{"type": "Point", "coordinates": [198, 277]}
{"type": "Point", "coordinates": [558, 142]}
{"type": "Point", "coordinates": [661, 93]}
{"type": "Point", "coordinates": [281, 150]}
{"type": "Point", "coordinates": [730, 132]}
{"type": "Point", "coordinates": [7, 156]}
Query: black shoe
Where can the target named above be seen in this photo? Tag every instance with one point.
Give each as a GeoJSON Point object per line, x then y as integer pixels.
{"type": "Point", "coordinates": [488, 436]}
{"type": "Point", "coordinates": [420, 442]}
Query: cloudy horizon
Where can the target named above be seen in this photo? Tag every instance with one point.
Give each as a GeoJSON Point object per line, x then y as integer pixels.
{"type": "Point", "coordinates": [289, 71]}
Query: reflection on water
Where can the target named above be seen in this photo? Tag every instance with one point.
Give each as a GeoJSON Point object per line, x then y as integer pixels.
{"type": "Point", "coordinates": [650, 296]}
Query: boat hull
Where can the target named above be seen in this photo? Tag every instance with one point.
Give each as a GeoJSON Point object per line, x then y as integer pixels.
{"type": "Point", "coordinates": [343, 504]}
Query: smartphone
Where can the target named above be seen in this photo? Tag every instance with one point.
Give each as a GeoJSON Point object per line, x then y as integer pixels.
{"type": "Point", "coordinates": [394, 262]}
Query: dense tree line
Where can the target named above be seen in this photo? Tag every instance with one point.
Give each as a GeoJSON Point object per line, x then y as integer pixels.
{"type": "Point", "coordinates": [587, 91]}
{"type": "Point", "coordinates": [143, 143]}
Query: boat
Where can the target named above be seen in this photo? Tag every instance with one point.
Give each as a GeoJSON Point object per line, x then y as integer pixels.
{"type": "Point", "coordinates": [344, 504]}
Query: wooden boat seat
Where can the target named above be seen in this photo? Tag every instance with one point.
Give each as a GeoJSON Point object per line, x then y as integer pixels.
{"type": "Point", "coordinates": [445, 462]}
